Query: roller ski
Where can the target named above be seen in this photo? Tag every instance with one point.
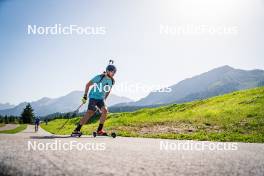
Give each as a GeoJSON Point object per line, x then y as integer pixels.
{"type": "Point", "coordinates": [76, 134]}
{"type": "Point", "coordinates": [103, 133]}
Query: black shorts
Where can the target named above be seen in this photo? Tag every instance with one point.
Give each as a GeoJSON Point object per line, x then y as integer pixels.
{"type": "Point", "coordinates": [95, 102]}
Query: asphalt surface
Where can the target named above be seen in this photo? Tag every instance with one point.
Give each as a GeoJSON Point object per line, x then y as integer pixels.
{"type": "Point", "coordinates": [124, 156]}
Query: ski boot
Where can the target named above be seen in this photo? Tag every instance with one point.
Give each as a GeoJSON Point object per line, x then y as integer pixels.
{"type": "Point", "coordinates": [76, 133]}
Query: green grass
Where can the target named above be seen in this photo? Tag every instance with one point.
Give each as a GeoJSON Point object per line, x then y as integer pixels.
{"type": "Point", "coordinates": [21, 127]}
{"type": "Point", "coordinates": [2, 124]}
{"type": "Point", "coordinates": [237, 116]}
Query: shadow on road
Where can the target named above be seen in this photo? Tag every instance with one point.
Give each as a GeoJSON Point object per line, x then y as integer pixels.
{"type": "Point", "coordinates": [54, 137]}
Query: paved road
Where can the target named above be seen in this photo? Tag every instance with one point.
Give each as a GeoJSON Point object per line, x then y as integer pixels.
{"type": "Point", "coordinates": [123, 156]}
{"type": "Point", "coordinates": [8, 127]}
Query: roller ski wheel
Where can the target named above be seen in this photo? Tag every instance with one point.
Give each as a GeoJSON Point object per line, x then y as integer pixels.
{"type": "Point", "coordinates": [113, 134]}
{"type": "Point", "coordinates": [95, 134]}
{"type": "Point", "coordinates": [76, 134]}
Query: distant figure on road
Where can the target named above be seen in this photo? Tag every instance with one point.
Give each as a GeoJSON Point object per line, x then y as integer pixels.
{"type": "Point", "coordinates": [46, 121]}
{"type": "Point", "coordinates": [37, 120]}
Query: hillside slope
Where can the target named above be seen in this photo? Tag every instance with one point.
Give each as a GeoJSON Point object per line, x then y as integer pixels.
{"type": "Point", "coordinates": [215, 82]}
{"type": "Point", "coordinates": [237, 116]}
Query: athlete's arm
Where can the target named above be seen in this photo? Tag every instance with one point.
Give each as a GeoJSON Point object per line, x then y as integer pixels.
{"type": "Point", "coordinates": [90, 83]}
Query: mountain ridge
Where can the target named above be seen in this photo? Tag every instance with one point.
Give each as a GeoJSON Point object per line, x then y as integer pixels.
{"type": "Point", "coordinates": [217, 81]}
{"type": "Point", "coordinates": [66, 103]}
{"type": "Point", "coordinates": [214, 82]}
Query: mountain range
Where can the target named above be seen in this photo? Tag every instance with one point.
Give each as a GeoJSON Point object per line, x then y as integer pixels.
{"type": "Point", "coordinates": [215, 82]}
{"type": "Point", "coordinates": [67, 103]}
{"type": "Point", "coordinates": [6, 106]}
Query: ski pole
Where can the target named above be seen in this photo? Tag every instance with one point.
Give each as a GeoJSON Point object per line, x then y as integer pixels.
{"type": "Point", "coordinates": [76, 111]}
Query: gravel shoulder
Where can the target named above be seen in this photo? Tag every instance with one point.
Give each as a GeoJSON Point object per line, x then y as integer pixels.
{"type": "Point", "coordinates": [8, 127]}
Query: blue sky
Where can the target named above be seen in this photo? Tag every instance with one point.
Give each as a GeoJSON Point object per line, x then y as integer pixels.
{"type": "Point", "coordinates": [35, 66]}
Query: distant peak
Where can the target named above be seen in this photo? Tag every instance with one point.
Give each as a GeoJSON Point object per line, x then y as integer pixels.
{"type": "Point", "coordinates": [5, 104]}
{"type": "Point", "coordinates": [226, 67]}
{"type": "Point", "coordinates": [74, 92]}
{"type": "Point", "coordinates": [45, 98]}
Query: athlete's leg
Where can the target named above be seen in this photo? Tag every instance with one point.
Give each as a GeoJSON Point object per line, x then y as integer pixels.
{"type": "Point", "coordinates": [87, 116]}
{"type": "Point", "coordinates": [104, 112]}
{"type": "Point", "coordinates": [102, 118]}
{"type": "Point", "coordinates": [90, 112]}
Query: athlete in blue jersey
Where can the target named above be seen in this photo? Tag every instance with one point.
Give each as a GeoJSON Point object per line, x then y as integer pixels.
{"type": "Point", "coordinates": [102, 85]}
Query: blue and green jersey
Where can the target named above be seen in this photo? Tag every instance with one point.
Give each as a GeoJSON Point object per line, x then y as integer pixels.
{"type": "Point", "coordinates": [102, 85]}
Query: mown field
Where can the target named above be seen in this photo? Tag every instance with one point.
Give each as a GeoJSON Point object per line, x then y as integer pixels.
{"type": "Point", "coordinates": [237, 116]}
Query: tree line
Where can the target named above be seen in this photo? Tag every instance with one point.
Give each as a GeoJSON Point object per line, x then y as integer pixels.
{"type": "Point", "coordinates": [27, 116]}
